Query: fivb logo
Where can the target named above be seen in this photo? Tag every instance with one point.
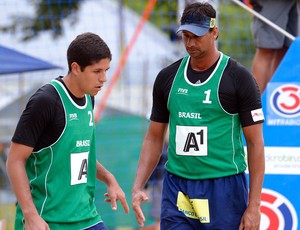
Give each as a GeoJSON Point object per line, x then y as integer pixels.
{"type": "Point", "coordinates": [277, 212]}
{"type": "Point", "coordinates": [182, 91]}
{"type": "Point", "coordinates": [285, 100]}
{"type": "Point", "coordinates": [73, 116]}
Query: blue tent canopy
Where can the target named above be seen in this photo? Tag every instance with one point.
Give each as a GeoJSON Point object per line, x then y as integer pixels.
{"type": "Point", "coordinates": [13, 61]}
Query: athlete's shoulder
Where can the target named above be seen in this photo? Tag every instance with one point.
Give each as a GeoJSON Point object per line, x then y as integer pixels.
{"type": "Point", "coordinates": [46, 93]}
{"type": "Point", "coordinates": [42, 108]}
{"type": "Point", "coordinates": [236, 69]}
{"type": "Point", "coordinates": [45, 97]}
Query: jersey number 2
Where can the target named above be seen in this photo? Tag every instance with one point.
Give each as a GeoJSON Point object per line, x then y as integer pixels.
{"type": "Point", "coordinates": [91, 123]}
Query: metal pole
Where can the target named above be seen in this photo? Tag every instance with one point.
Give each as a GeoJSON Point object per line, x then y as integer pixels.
{"type": "Point", "coordinates": [264, 19]}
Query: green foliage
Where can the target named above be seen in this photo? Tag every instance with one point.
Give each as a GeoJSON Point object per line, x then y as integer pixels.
{"type": "Point", "coordinates": [163, 15]}
{"type": "Point", "coordinates": [234, 23]}
{"type": "Point", "coordinates": [48, 16]}
{"type": "Point", "coordinates": [235, 33]}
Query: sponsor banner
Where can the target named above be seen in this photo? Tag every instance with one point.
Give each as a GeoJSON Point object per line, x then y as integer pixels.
{"type": "Point", "coordinates": [280, 202]}
{"type": "Point", "coordinates": [282, 160]}
{"type": "Point", "coordinates": [277, 211]}
{"type": "Point", "coordinates": [283, 104]}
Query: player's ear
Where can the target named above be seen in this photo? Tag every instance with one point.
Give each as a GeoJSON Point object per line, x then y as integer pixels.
{"type": "Point", "coordinates": [75, 68]}
{"type": "Point", "coordinates": [215, 32]}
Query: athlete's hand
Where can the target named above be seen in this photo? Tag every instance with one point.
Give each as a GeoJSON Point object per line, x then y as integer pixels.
{"type": "Point", "coordinates": [35, 222]}
{"type": "Point", "coordinates": [251, 219]}
{"type": "Point", "coordinates": [137, 198]}
{"type": "Point", "coordinates": [115, 193]}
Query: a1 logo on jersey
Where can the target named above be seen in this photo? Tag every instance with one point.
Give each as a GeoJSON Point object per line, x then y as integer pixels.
{"type": "Point", "coordinates": [191, 140]}
{"type": "Point", "coordinates": [79, 168]}
{"type": "Point", "coordinates": [283, 104]}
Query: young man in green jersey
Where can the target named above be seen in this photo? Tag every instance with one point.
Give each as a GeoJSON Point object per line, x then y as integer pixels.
{"type": "Point", "coordinates": [52, 162]}
{"type": "Point", "coordinates": [208, 100]}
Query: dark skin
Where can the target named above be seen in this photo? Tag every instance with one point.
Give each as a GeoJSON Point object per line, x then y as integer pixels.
{"type": "Point", "coordinates": [88, 81]}
{"type": "Point", "coordinates": [202, 49]}
{"type": "Point", "coordinates": [203, 54]}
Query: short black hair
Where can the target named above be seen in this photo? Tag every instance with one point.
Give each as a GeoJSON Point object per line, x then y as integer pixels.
{"type": "Point", "coordinates": [86, 49]}
{"type": "Point", "coordinates": [200, 10]}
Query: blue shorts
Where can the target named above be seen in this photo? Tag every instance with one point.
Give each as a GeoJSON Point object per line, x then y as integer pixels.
{"type": "Point", "coordinates": [203, 204]}
{"type": "Point", "coordinates": [99, 226]}
{"type": "Point", "coordinates": [155, 205]}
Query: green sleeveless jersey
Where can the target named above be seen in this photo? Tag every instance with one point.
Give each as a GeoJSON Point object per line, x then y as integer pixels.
{"type": "Point", "coordinates": [205, 141]}
{"type": "Point", "coordinates": [62, 176]}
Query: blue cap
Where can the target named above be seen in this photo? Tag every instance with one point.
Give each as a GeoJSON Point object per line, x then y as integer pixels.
{"type": "Point", "coordinates": [196, 25]}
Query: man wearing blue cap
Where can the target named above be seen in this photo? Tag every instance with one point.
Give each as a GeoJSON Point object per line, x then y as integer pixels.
{"type": "Point", "coordinates": [209, 100]}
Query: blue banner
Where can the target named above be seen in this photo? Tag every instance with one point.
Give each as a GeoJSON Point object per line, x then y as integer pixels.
{"type": "Point", "coordinates": [281, 105]}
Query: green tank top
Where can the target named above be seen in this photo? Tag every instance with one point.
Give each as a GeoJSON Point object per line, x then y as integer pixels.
{"type": "Point", "coordinates": [205, 141]}
{"type": "Point", "coordinates": [62, 176]}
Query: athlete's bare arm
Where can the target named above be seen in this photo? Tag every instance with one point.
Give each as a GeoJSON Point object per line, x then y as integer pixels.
{"type": "Point", "coordinates": [114, 191]}
{"type": "Point", "coordinates": [256, 166]}
{"type": "Point", "coordinates": [15, 164]}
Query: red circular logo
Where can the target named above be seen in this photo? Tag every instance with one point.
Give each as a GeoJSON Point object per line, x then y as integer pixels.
{"type": "Point", "coordinates": [277, 212]}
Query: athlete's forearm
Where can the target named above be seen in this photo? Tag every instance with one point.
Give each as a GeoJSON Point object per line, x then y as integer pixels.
{"type": "Point", "coordinates": [150, 155]}
{"type": "Point", "coordinates": [20, 185]}
{"type": "Point", "coordinates": [256, 165]}
{"type": "Point", "coordinates": [103, 174]}
{"type": "Point", "coordinates": [256, 162]}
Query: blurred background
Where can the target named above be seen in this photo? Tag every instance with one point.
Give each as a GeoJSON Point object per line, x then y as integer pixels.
{"type": "Point", "coordinates": [34, 36]}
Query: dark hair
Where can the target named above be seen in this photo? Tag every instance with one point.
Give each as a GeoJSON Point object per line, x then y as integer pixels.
{"type": "Point", "coordinates": [86, 49]}
{"type": "Point", "coordinates": [200, 10]}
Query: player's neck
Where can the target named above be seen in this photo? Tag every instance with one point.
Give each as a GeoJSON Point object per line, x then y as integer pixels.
{"type": "Point", "coordinates": [205, 62]}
